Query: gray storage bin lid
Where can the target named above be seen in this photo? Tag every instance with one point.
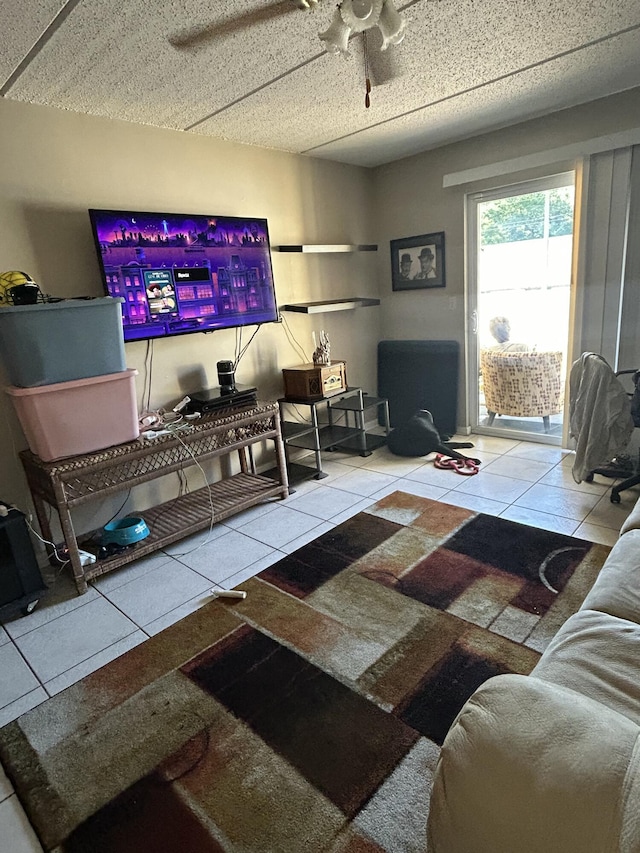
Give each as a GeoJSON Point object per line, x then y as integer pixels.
{"type": "Point", "coordinates": [62, 341]}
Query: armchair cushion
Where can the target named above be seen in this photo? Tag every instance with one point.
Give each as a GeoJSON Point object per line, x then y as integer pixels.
{"type": "Point", "coordinates": [522, 384]}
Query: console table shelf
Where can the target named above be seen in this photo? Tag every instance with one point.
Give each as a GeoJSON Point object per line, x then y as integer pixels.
{"type": "Point", "coordinates": [73, 481]}
{"type": "Point", "coordinates": [167, 526]}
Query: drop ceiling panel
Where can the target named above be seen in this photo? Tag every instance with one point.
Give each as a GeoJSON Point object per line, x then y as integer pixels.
{"type": "Point", "coordinates": [114, 59]}
{"type": "Point", "coordinates": [20, 28]}
{"type": "Point", "coordinates": [463, 67]}
{"type": "Point", "coordinates": [444, 98]}
{"type": "Point", "coordinates": [526, 95]}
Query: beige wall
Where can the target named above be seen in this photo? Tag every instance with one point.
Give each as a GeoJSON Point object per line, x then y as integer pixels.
{"type": "Point", "coordinates": [411, 200]}
{"type": "Point", "coordinates": [55, 165]}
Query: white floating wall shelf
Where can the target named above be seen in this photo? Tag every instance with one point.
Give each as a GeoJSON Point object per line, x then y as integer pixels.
{"type": "Point", "coordinates": [330, 305]}
{"type": "Point", "coordinates": [327, 248]}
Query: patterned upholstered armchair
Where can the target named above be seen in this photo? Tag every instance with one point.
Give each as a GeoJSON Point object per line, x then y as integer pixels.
{"type": "Point", "coordinates": [522, 384]}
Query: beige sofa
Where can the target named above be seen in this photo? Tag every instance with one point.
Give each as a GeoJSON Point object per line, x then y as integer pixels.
{"type": "Point", "coordinates": [550, 762]}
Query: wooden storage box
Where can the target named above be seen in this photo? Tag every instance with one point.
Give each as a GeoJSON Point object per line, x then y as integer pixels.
{"type": "Point", "coordinates": [315, 381]}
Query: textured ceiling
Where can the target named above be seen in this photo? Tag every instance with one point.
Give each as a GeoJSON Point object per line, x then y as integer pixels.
{"type": "Point", "coordinates": [256, 72]}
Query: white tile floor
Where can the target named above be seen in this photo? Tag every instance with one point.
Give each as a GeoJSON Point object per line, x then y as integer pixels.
{"type": "Point", "coordinates": [69, 636]}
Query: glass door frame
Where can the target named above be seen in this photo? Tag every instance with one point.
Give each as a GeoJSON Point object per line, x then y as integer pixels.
{"type": "Point", "coordinates": [472, 201]}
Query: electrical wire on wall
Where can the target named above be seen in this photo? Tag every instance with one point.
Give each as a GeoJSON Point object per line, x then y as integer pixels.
{"type": "Point", "coordinates": [240, 350]}
{"type": "Point", "coordinates": [303, 419]}
{"type": "Point", "coordinates": [238, 345]}
{"type": "Point", "coordinates": [148, 376]}
{"type": "Point", "coordinates": [160, 419]}
{"type": "Point", "coordinates": [294, 343]}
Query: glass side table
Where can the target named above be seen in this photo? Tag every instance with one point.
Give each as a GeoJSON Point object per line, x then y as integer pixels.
{"type": "Point", "coordinates": [317, 435]}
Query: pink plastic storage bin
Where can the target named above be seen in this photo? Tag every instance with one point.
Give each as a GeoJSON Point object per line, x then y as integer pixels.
{"type": "Point", "coordinates": [70, 418]}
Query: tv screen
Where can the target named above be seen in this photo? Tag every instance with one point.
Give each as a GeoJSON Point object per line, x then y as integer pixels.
{"type": "Point", "coordinates": [181, 273]}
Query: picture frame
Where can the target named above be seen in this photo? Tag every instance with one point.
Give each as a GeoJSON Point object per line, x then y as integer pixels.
{"type": "Point", "coordinates": [418, 262]}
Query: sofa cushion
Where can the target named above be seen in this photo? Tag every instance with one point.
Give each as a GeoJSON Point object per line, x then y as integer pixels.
{"type": "Point", "coordinates": [617, 587]}
{"type": "Point", "coordinates": [597, 655]}
{"type": "Point", "coordinates": [530, 767]}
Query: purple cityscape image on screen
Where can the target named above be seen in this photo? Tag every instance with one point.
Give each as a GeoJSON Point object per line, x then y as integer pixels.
{"type": "Point", "coordinates": [180, 273]}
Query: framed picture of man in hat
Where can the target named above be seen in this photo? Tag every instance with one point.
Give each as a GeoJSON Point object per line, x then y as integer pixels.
{"type": "Point", "coordinates": [418, 262]}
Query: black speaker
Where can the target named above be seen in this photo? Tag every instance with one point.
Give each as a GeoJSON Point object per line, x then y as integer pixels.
{"type": "Point", "coordinates": [21, 583]}
{"type": "Point", "coordinates": [226, 376]}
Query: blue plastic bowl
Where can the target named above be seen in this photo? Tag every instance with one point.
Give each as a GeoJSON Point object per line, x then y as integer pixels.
{"type": "Point", "coordinates": [125, 531]}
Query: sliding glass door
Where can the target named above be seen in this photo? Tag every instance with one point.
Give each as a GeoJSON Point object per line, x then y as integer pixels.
{"type": "Point", "coordinates": [520, 245]}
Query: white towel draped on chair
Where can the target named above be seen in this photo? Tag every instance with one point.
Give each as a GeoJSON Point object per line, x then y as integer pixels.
{"type": "Point", "coordinates": [599, 413]}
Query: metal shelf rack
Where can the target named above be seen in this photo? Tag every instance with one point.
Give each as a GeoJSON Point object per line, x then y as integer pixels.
{"type": "Point", "coordinates": [316, 436]}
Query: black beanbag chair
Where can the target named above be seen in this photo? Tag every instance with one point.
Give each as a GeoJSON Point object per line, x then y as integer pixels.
{"type": "Point", "coordinates": [420, 436]}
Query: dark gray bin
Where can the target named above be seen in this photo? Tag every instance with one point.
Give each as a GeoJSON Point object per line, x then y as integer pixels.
{"type": "Point", "coordinates": [62, 341]}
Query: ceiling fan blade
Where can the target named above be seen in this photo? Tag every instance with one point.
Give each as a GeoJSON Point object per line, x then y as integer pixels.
{"type": "Point", "coordinates": [195, 36]}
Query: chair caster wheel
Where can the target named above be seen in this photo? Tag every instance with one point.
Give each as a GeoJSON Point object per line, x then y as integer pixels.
{"type": "Point", "coordinates": [615, 499]}
{"type": "Point", "coordinates": [589, 477]}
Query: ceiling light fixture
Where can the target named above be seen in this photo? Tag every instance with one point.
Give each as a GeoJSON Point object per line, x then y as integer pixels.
{"type": "Point", "coordinates": [357, 16]}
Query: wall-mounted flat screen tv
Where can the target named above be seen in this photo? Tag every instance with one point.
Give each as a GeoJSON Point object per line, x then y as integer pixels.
{"type": "Point", "coordinates": [181, 273]}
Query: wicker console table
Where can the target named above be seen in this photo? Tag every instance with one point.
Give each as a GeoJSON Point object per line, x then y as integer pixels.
{"type": "Point", "coordinates": [76, 480]}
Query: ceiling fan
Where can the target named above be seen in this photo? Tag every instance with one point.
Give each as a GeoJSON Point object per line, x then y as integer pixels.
{"type": "Point", "coordinates": [357, 16]}
{"type": "Point", "coordinates": [350, 17]}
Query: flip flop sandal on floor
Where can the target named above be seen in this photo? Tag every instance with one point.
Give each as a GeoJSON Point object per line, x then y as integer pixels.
{"type": "Point", "coordinates": [444, 462]}
{"type": "Point", "coordinates": [468, 467]}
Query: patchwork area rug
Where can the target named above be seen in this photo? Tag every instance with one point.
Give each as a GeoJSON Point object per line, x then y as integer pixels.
{"type": "Point", "coordinates": [307, 717]}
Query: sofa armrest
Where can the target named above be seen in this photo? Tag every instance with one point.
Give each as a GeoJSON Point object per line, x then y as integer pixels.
{"type": "Point", "coordinates": [617, 588]}
{"type": "Point", "coordinates": [632, 521]}
{"type": "Point", "coordinates": [535, 768]}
